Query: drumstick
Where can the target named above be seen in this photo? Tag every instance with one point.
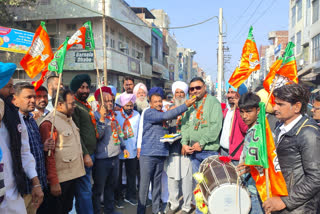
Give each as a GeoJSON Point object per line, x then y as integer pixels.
{"type": "Point", "coordinates": [237, 192]}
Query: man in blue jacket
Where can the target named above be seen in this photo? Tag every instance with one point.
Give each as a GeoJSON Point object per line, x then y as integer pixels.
{"type": "Point", "coordinates": [153, 152]}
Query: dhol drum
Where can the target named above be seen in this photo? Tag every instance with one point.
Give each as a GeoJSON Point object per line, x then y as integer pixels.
{"type": "Point", "coordinates": [220, 190]}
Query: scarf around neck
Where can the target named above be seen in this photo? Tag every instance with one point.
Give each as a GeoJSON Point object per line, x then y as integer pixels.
{"type": "Point", "coordinates": [126, 127]}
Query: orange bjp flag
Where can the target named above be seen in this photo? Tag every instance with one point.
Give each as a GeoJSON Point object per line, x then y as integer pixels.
{"type": "Point", "coordinates": [277, 184]}
{"type": "Point", "coordinates": [39, 54]}
{"type": "Point", "coordinates": [283, 71]}
{"type": "Point", "coordinates": [249, 62]}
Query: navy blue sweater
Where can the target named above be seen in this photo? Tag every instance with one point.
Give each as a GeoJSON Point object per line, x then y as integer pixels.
{"type": "Point", "coordinates": [153, 130]}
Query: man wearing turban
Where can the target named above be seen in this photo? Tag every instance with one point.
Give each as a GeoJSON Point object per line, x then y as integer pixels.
{"type": "Point", "coordinates": [83, 117]}
{"type": "Point", "coordinates": [178, 167]}
{"type": "Point", "coordinates": [233, 129]}
{"type": "Point", "coordinates": [17, 161]}
{"type": "Point", "coordinates": [110, 145]}
{"type": "Point", "coordinates": [141, 91]}
{"type": "Point", "coordinates": [128, 119]}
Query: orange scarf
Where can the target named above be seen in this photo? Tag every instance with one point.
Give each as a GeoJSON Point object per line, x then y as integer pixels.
{"type": "Point", "coordinates": [93, 119]}
{"type": "Point", "coordinates": [127, 129]}
{"type": "Point", "coordinates": [115, 128]}
{"type": "Point", "coordinates": [199, 114]}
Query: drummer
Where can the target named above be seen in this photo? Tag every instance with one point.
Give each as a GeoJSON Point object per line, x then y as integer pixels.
{"type": "Point", "coordinates": [249, 110]}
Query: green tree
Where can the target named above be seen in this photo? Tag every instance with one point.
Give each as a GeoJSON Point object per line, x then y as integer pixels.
{"type": "Point", "coordinates": [6, 6]}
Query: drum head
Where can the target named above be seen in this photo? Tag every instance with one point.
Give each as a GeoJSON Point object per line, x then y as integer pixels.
{"type": "Point", "coordinates": [224, 200]}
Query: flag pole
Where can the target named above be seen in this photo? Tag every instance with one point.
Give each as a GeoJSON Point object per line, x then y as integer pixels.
{"type": "Point", "coordinates": [55, 109]}
{"type": "Point", "coordinates": [98, 75]}
{"type": "Point", "coordinates": [272, 89]}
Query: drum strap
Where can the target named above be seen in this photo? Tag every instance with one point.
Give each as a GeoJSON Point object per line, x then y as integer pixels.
{"type": "Point", "coordinates": [237, 149]}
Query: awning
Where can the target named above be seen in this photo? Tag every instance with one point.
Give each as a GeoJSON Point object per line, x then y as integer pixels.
{"type": "Point", "coordinates": [315, 90]}
{"type": "Point", "coordinates": [309, 77]}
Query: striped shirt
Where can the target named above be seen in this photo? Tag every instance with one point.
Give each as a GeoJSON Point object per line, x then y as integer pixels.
{"type": "Point", "coordinates": [36, 148]}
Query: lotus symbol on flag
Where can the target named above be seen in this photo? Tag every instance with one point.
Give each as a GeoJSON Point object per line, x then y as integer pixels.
{"type": "Point", "coordinates": [75, 38]}
{"type": "Point", "coordinates": [37, 48]}
{"type": "Point", "coordinates": [278, 82]}
{"type": "Point", "coordinates": [252, 65]}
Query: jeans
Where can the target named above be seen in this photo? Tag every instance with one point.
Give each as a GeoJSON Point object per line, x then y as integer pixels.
{"type": "Point", "coordinates": [151, 170]}
{"type": "Point", "coordinates": [83, 193]}
{"type": "Point", "coordinates": [131, 173]}
{"type": "Point", "coordinates": [105, 177]}
{"type": "Point", "coordinates": [256, 204]}
{"type": "Point", "coordinates": [196, 159]}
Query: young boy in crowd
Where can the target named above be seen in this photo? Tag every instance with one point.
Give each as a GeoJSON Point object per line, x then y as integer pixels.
{"type": "Point", "coordinates": [249, 110]}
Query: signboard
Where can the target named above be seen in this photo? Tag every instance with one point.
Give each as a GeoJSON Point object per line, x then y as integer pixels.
{"type": "Point", "coordinates": [277, 50]}
{"type": "Point", "coordinates": [14, 40]}
{"type": "Point", "coordinates": [84, 57]}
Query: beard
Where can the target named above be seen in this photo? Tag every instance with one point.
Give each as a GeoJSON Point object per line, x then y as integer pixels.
{"type": "Point", "coordinates": [142, 104]}
{"type": "Point", "coordinates": [180, 101]}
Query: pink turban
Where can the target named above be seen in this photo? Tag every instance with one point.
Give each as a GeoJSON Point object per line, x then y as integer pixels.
{"type": "Point", "coordinates": [126, 98]}
{"type": "Point", "coordinates": [138, 86]}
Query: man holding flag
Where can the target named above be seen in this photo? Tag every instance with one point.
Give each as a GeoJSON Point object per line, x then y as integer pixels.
{"type": "Point", "coordinates": [249, 111]}
{"type": "Point", "coordinates": [298, 151]}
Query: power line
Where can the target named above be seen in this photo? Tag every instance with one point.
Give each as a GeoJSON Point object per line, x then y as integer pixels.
{"type": "Point", "coordinates": [243, 27]}
{"type": "Point", "coordinates": [244, 12]}
{"type": "Point", "coordinates": [265, 11]}
{"type": "Point", "coordinates": [145, 25]}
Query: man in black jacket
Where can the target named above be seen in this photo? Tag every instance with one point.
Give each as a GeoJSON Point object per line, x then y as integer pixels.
{"type": "Point", "coordinates": [298, 148]}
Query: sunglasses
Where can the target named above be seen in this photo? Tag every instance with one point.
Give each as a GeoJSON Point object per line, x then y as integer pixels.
{"type": "Point", "coordinates": [195, 88]}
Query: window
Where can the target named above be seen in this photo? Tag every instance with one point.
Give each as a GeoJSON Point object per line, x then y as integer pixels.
{"type": "Point", "coordinates": [315, 11]}
{"type": "Point", "coordinates": [133, 52]}
{"type": "Point", "coordinates": [112, 43]}
{"type": "Point", "coordinates": [155, 48]}
{"type": "Point", "coordinates": [71, 27]}
{"type": "Point", "coordinates": [299, 8]}
{"type": "Point", "coordinates": [112, 31]}
{"type": "Point", "coordinates": [107, 41]}
{"type": "Point", "coordinates": [121, 37]}
{"type": "Point", "coordinates": [293, 16]}
{"type": "Point", "coordinates": [316, 48]}
{"type": "Point", "coordinates": [298, 45]}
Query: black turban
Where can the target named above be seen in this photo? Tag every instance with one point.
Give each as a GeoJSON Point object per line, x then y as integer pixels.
{"type": "Point", "coordinates": [78, 80]}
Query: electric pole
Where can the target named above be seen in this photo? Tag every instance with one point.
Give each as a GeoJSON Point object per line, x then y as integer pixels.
{"type": "Point", "coordinates": [220, 58]}
{"type": "Point", "coordinates": [104, 43]}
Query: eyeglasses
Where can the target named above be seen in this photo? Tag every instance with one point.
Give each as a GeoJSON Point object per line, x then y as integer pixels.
{"type": "Point", "coordinates": [195, 88]}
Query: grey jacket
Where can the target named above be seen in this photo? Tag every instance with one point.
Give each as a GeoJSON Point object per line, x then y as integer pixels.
{"type": "Point", "coordinates": [299, 157]}
{"type": "Point", "coordinates": [106, 147]}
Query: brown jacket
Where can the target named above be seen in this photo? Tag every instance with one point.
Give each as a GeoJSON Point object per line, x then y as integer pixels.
{"type": "Point", "coordinates": [66, 161]}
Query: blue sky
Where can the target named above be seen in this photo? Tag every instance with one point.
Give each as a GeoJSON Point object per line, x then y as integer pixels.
{"type": "Point", "coordinates": [263, 15]}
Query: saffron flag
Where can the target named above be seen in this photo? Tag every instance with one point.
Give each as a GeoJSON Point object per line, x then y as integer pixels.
{"type": "Point", "coordinates": [56, 64]}
{"type": "Point", "coordinates": [79, 37]}
{"type": "Point", "coordinates": [262, 153]}
{"type": "Point", "coordinates": [89, 36]}
{"type": "Point", "coordinates": [249, 62]}
{"type": "Point", "coordinates": [39, 54]}
{"type": "Point", "coordinates": [282, 72]}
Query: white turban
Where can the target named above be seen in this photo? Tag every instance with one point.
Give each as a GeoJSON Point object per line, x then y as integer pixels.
{"type": "Point", "coordinates": [138, 86]}
{"type": "Point", "coordinates": [180, 85]}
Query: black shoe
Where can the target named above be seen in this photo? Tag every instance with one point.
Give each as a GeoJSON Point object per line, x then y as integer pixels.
{"type": "Point", "coordinates": [133, 202]}
{"type": "Point", "coordinates": [119, 204]}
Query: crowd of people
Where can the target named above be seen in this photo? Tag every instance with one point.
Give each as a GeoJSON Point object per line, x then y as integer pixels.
{"type": "Point", "coordinates": [51, 156]}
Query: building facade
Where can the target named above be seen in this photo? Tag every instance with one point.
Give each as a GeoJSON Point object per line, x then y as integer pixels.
{"type": "Point", "coordinates": [304, 31]}
{"type": "Point", "coordinates": [128, 39]}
